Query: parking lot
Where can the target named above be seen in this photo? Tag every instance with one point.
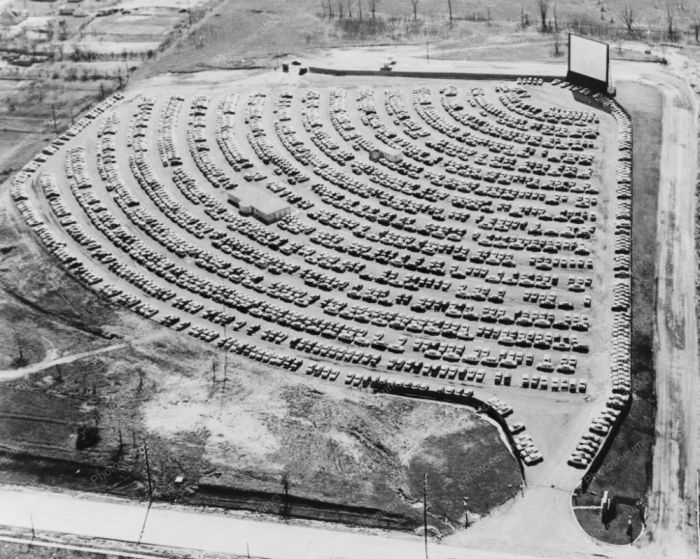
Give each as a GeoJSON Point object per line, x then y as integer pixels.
{"type": "Point", "coordinates": [463, 236]}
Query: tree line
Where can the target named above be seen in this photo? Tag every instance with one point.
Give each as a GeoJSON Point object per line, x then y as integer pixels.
{"type": "Point", "coordinates": [548, 20]}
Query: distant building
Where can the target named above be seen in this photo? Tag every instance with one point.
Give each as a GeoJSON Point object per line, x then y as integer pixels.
{"type": "Point", "coordinates": [259, 203]}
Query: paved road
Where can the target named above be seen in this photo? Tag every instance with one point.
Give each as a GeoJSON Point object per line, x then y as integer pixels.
{"type": "Point", "coordinates": [218, 532]}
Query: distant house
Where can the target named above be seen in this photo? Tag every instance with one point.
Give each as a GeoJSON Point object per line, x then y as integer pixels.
{"type": "Point", "coordinates": [10, 17]}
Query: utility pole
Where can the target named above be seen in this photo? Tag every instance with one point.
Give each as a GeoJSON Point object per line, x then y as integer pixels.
{"type": "Point", "coordinates": [223, 313]}
{"type": "Point", "coordinates": [223, 385]}
{"type": "Point", "coordinates": [425, 512]}
{"type": "Point", "coordinates": [465, 500]}
{"type": "Point", "coordinates": [150, 490]}
{"type": "Point", "coordinates": [148, 472]}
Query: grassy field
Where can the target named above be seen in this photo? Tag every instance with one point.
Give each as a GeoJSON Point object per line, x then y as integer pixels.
{"type": "Point", "coordinates": [626, 471]}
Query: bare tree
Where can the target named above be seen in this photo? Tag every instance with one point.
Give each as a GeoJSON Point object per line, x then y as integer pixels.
{"type": "Point", "coordinates": [62, 31]}
{"type": "Point", "coordinates": [524, 20]}
{"type": "Point", "coordinates": [359, 9]}
{"type": "Point", "coordinates": [557, 36]}
{"type": "Point", "coordinates": [340, 9]}
{"type": "Point", "coordinates": [449, 9]}
{"type": "Point", "coordinates": [373, 8]}
{"type": "Point", "coordinates": [543, 7]}
{"type": "Point", "coordinates": [628, 19]}
{"type": "Point", "coordinates": [557, 43]}
{"type": "Point", "coordinates": [121, 445]}
{"type": "Point", "coordinates": [141, 374]}
{"type": "Point", "coordinates": [414, 5]}
{"type": "Point", "coordinates": [670, 21]}
{"type": "Point", "coordinates": [695, 24]}
{"type": "Point", "coordinates": [330, 9]}
{"type": "Point", "coordinates": [349, 8]}
{"type": "Point", "coordinates": [285, 488]}
{"type": "Point", "coordinates": [20, 360]}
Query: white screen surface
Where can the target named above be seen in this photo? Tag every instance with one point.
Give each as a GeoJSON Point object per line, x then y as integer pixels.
{"type": "Point", "coordinates": [588, 58]}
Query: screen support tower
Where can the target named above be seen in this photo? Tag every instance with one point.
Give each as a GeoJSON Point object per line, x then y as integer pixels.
{"type": "Point", "coordinates": [589, 64]}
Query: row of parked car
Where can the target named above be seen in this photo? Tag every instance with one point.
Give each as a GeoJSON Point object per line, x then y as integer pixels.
{"type": "Point", "coordinates": [76, 168]}
{"type": "Point", "coordinates": [284, 290]}
{"type": "Point", "coordinates": [619, 397]}
{"type": "Point", "coordinates": [217, 268]}
{"type": "Point", "coordinates": [225, 134]}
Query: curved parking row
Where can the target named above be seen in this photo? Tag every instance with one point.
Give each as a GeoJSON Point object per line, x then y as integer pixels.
{"type": "Point", "coordinates": [422, 238]}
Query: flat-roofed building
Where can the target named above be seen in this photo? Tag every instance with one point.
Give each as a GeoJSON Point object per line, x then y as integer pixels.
{"type": "Point", "coordinates": [386, 153]}
{"type": "Point", "coordinates": [256, 201]}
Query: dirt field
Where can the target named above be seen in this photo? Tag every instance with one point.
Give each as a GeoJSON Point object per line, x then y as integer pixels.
{"type": "Point", "coordinates": [335, 446]}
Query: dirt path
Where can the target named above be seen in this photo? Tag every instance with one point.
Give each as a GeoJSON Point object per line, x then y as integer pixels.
{"type": "Point", "coordinates": [673, 500]}
{"type": "Point", "coordinates": [12, 374]}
